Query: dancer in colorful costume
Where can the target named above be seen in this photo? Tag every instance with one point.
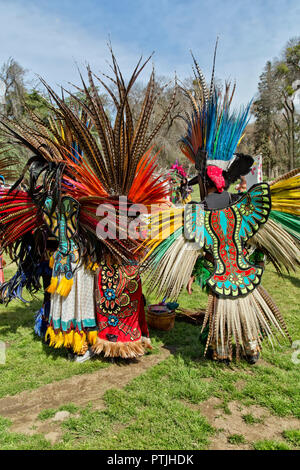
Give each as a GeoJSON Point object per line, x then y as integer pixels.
{"type": "Point", "coordinates": [181, 191]}
{"type": "Point", "coordinates": [31, 222]}
{"type": "Point", "coordinates": [95, 163]}
{"type": "Point", "coordinates": [214, 239]}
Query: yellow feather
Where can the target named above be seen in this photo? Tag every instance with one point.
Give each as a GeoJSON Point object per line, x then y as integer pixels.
{"type": "Point", "coordinates": [53, 285]}
{"type": "Point", "coordinates": [65, 287]}
{"type": "Point", "coordinates": [92, 337]}
{"type": "Point", "coordinates": [59, 340]}
{"type": "Point", "coordinates": [68, 339]}
{"type": "Point", "coordinates": [50, 332]}
{"type": "Point", "coordinates": [79, 340]}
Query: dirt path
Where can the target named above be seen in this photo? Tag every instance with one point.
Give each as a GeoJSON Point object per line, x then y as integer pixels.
{"type": "Point", "coordinates": [24, 408]}
{"type": "Point", "coordinates": [267, 427]}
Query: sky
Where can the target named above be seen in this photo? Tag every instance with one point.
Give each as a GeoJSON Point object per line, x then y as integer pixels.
{"type": "Point", "coordinates": [48, 38]}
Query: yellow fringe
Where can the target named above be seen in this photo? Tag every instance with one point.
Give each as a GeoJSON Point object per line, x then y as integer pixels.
{"type": "Point", "coordinates": [65, 286]}
{"type": "Point", "coordinates": [53, 285]}
{"type": "Point", "coordinates": [73, 339]}
{"type": "Point", "coordinates": [51, 262]}
{"type": "Point", "coordinates": [92, 337]}
{"type": "Point", "coordinates": [79, 340]}
{"type": "Point", "coordinates": [59, 339]}
{"type": "Point", "coordinates": [51, 334]}
{"type": "Point", "coordinates": [68, 339]}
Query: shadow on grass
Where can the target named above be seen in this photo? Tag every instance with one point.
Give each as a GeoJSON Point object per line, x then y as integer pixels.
{"type": "Point", "coordinates": [183, 341]}
{"type": "Point", "coordinates": [294, 280]}
{"type": "Point", "coordinates": [17, 314]}
{"type": "Point", "coordinates": [21, 315]}
{"type": "Point", "coordinates": [50, 351]}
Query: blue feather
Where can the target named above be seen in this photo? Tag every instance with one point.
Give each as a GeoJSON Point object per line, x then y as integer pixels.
{"type": "Point", "coordinates": [41, 320]}
{"type": "Point", "coordinates": [221, 129]}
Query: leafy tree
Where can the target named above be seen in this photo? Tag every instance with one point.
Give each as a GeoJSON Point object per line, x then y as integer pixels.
{"type": "Point", "coordinates": [12, 77]}
{"type": "Point", "coordinates": [36, 102]}
{"type": "Point", "coordinates": [277, 124]}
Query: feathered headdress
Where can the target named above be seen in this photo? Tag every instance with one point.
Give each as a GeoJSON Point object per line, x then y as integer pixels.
{"type": "Point", "coordinates": [213, 130]}
{"type": "Point", "coordinates": [105, 156]}
{"type": "Point", "coordinates": [6, 164]}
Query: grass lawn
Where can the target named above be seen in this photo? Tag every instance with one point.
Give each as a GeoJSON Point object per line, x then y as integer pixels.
{"type": "Point", "coordinates": [29, 362]}
{"type": "Point", "coordinates": [162, 408]}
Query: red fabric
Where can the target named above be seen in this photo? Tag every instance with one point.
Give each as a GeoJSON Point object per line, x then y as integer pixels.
{"type": "Point", "coordinates": [119, 304]}
{"type": "Point", "coordinates": [216, 175]}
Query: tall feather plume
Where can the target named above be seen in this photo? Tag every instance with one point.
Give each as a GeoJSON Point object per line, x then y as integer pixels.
{"type": "Point", "coordinates": [123, 142]}
{"type": "Point", "coordinates": [105, 157]}
{"type": "Point", "coordinates": [6, 164]}
{"type": "Point", "coordinates": [82, 134]}
{"type": "Point", "coordinates": [213, 131]}
{"type": "Point", "coordinates": [201, 81]}
{"type": "Point", "coordinates": [212, 81]}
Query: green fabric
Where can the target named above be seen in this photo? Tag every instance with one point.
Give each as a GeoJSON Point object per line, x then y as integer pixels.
{"type": "Point", "coordinates": [80, 325]}
{"type": "Point", "coordinates": [202, 271]}
{"type": "Point", "coordinates": [256, 257]}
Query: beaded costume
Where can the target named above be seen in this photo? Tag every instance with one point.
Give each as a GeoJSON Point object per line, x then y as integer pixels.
{"type": "Point", "coordinates": [213, 240]}
{"type": "Point", "coordinates": [93, 169]}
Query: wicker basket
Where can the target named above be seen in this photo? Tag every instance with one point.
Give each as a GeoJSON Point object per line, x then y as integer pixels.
{"type": "Point", "coordinates": [161, 321]}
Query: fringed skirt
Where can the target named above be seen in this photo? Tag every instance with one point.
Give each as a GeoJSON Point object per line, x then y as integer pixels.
{"type": "Point", "coordinates": [121, 321]}
{"type": "Point", "coordinates": [241, 324]}
{"type": "Point", "coordinates": [72, 320]}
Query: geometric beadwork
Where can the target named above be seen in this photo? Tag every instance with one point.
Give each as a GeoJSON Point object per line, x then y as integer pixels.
{"type": "Point", "coordinates": [224, 233]}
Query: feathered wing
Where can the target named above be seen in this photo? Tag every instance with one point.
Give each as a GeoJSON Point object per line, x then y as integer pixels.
{"type": "Point", "coordinates": [21, 234]}
{"type": "Point", "coordinates": [104, 158]}
{"type": "Point", "coordinates": [279, 238]}
{"type": "Point", "coordinates": [178, 236]}
{"type": "Point", "coordinates": [170, 256]}
{"type": "Point", "coordinates": [174, 269]}
{"type": "Point", "coordinates": [6, 165]}
{"type": "Point", "coordinates": [18, 215]}
{"type": "Point", "coordinates": [281, 248]}
{"type": "Point", "coordinates": [226, 232]}
{"type": "Point", "coordinates": [285, 192]}
{"type": "Point", "coordinates": [252, 210]}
